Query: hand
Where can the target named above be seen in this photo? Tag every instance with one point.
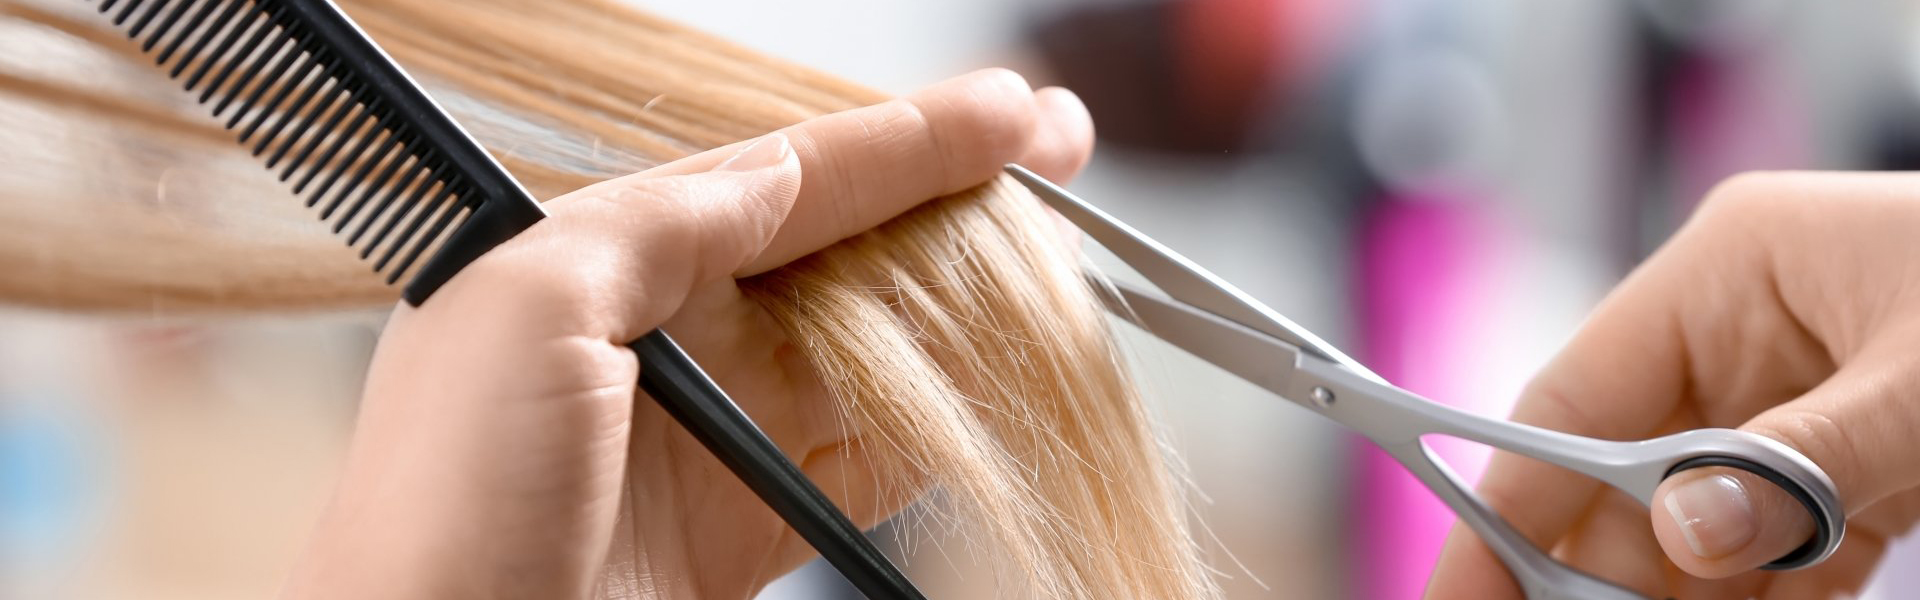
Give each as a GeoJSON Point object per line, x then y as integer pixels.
{"type": "Point", "coordinates": [493, 445]}
{"type": "Point", "coordinates": [1789, 307]}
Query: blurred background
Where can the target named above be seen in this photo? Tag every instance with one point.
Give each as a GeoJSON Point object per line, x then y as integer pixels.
{"type": "Point", "coordinates": [1441, 187]}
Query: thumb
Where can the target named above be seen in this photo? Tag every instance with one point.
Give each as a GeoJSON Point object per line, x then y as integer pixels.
{"type": "Point", "coordinates": [625, 253]}
{"type": "Point", "coordinates": [1719, 522]}
{"type": "Point", "coordinates": [490, 442]}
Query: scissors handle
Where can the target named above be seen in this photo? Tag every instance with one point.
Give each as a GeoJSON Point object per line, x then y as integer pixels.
{"type": "Point", "coordinates": [1396, 420]}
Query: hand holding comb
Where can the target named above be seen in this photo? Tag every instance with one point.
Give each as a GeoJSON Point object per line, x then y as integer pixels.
{"type": "Point", "coordinates": [395, 175]}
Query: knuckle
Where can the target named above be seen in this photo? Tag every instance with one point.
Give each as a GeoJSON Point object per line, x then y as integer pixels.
{"type": "Point", "coordinates": [1742, 197]}
{"type": "Point", "coordinates": [1500, 494]}
{"type": "Point", "coordinates": [547, 274]}
{"type": "Point", "coordinates": [920, 115]}
{"type": "Point", "coordinates": [1740, 222]}
{"type": "Point", "coordinates": [691, 228]}
{"type": "Point", "coordinates": [1817, 436]}
{"type": "Point", "coordinates": [1566, 411]}
{"type": "Point", "coordinates": [845, 149]}
{"type": "Point", "coordinates": [988, 121]}
{"type": "Point", "coordinates": [582, 367]}
{"type": "Point", "coordinates": [1003, 82]}
{"type": "Point", "coordinates": [1507, 497]}
{"type": "Point", "coordinates": [1767, 200]}
{"type": "Point", "coordinates": [594, 240]}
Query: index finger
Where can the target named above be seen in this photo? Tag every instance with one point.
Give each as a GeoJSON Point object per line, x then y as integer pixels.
{"type": "Point", "coordinates": [861, 167]}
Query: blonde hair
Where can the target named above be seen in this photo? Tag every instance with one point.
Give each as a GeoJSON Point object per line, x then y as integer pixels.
{"type": "Point", "coordinates": [960, 338]}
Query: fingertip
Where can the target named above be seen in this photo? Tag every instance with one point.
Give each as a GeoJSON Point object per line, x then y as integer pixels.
{"type": "Point", "coordinates": [1064, 136]}
{"type": "Point", "coordinates": [1719, 522]}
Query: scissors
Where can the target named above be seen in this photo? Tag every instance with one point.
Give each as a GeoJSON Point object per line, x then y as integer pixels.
{"type": "Point", "coordinates": [1216, 322]}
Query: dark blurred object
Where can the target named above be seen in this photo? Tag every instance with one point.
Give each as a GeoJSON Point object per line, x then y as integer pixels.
{"type": "Point", "coordinates": [1707, 106]}
{"type": "Point", "coordinates": [1895, 137]}
{"type": "Point", "coordinates": [1192, 76]}
{"type": "Point", "coordinates": [1712, 22]}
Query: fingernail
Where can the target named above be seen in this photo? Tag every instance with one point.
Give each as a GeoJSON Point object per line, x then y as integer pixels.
{"type": "Point", "coordinates": [764, 153]}
{"type": "Point", "coordinates": [1714, 514]}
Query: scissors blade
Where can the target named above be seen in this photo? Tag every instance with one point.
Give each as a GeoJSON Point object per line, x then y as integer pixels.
{"type": "Point", "coordinates": [1252, 355]}
{"type": "Point", "coordinates": [1180, 278]}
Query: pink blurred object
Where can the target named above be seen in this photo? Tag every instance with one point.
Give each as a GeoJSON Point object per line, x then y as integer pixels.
{"type": "Point", "coordinates": [1426, 262]}
{"type": "Point", "coordinates": [1731, 114]}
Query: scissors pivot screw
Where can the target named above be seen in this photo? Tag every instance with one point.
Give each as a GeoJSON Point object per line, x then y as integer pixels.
{"type": "Point", "coordinates": [1322, 397]}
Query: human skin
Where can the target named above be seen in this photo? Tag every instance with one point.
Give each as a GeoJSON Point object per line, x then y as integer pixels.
{"type": "Point", "coordinates": [499, 420]}
{"type": "Point", "coordinates": [1788, 306]}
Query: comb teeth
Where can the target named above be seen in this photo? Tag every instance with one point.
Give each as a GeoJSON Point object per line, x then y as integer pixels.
{"type": "Point", "coordinates": [299, 83]}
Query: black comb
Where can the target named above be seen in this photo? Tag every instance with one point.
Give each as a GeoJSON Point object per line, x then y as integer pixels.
{"type": "Point", "coordinates": [311, 95]}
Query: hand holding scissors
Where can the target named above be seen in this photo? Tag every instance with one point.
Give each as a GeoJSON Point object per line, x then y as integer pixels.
{"type": "Point", "coordinates": [1787, 307]}
{"type": "Point", "coordinates": [1214, 321]}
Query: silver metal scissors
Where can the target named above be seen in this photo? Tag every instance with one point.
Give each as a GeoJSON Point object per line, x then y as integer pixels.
{"type": "Point", "coordinates": [1209, 318]}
